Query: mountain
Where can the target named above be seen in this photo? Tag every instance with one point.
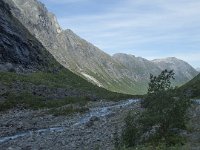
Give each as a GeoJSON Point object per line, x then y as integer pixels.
{"type": "Point", "coordinates": [20, 51]}
{"type": "Point", "coordinates": [27, 67]}
{"type": "Point", "coordinates": [84, 59]}
{"type": "Point", "coordinates": [198, 69]}
{"type": "Point", "coordinates": [183, 71]}
{"type": "Point", "coordinates": [192, 88]}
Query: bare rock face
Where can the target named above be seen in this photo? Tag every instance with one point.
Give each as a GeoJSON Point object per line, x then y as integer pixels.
{"type": "Point", "coordinates": [19, 50]}
{"type": "Point", "coordinates": [120, 73]}
{"type": "Point", "coordinates": [36, 18]}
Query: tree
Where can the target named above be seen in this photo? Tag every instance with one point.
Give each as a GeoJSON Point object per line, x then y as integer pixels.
{"type": "Point", "coordinates": [164, 112]}
{"type": "Point", "coordinates": [161, 82]}
{"type": "Point", "coordinates": [163, 107]}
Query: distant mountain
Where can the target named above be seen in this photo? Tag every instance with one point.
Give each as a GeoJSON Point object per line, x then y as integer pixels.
{"type": "Point", "coordinates": [198, 69]}
{"type": "Point", "coordinates": [183, 71]}
{"type": "Point", "coordinates": [27, 67]}
{"type": "Point", "coordinates": [120, 73]}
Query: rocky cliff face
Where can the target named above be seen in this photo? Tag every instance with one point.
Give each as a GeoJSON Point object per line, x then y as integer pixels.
{"type": "Point", "coordinates": [36, 18]}
{"type": "Point", "coordinates": [120, 73]}
{"type": "Point", "coordinates": [19, 50]}
{"type": "Point", "coordinates": [26, 67]}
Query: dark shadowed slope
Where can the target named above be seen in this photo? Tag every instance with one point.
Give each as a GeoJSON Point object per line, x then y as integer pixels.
{"type": "Point", "coordinates": [192, 88]}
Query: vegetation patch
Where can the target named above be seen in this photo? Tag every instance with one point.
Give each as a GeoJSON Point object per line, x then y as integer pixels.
{"type": "Point", "coordinates": [164, 116]}
{"type": "Point", "coordinates": [62, 79]}
{"type": "Point", "coordinates": [27, 100]}
{"type": "Point", "coordinates": [192, 88]}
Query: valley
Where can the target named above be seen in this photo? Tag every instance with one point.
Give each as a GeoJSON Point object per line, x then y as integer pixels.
{"type": "Point", "coordinates": [120, 73]}
{"type": "Point", "coordinates": [59, 91]}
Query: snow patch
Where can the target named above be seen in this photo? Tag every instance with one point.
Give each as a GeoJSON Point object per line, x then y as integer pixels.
{"type": "Point", "coordinates": [92, 79]}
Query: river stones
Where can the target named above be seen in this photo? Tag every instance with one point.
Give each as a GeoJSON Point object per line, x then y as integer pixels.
{"type": "Point", "coordinates": [92, 120]}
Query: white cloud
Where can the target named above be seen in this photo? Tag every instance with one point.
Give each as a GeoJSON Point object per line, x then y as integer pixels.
{"type": "Point", "coordinates": [138, 23]}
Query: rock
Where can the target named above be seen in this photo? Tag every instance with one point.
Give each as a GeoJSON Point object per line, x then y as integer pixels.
{"type": "Point", "coordinates": [63, 142]}
{"type": "Point", "coordinates": [7, 67]}
{"type": "Point", "coordinates": [14, 148]}
{"type": "Point", "coordinates": [94, 118]}
{"type": "Point", "coordinates": [89, 123]}
{"type": "Point", "coordinates": [20, 49]}
{"type": "Point", "coordinates": [20, 125]}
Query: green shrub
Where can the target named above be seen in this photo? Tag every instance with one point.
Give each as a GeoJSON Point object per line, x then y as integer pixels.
{"type": "Point", "coordinates": [132, 130]}
{"type": "Point", "coordinates": [164, 115]}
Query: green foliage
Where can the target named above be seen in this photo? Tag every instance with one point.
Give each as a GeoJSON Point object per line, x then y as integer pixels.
{"type": "Point", "coordinates": [132, 130]}
{"type": "Point", "coordinates": [161, 82]}
{"type": "Point", "coordinates": [61, 79]}
{"type": "Point", "coordinates": [164, 115]}
{"type": "Point", "coordinates": [160, 146]}
{"type": "Point", "coordinates": [163, 108]}
{"type": "Point", "coordinates": [27, 100]}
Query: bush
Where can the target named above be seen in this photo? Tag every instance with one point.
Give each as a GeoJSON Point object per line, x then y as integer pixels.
{"type": "Point", "coordinates": [132, 130]}
{"type": "Point", "coordinates": [164, 115]}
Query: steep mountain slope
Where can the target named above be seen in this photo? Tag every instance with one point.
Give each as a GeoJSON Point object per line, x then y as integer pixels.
{"type": "Point", "coordinates": [19, 49]}
{"type": "Point", "coordinates": [27, 67]}
{"type": "Point", "coordinates": [198, 69]}
{"type": "Point", "coordinates": [192, 88]}
{"type": "Point", "coordinates": [183, 71]}
{"type": "Point", "coordinates": [138, 67]}
{"type": "Point", "coordinates": [142, 68]}
{"type": "Point", "coordinates": [70, 50]}
{"type": "Point", "coordinates": [82, 57]}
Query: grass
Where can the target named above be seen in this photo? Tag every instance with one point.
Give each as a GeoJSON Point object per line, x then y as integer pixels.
{"type": "Point", "coordinates": [27, 100]}
{"type": "Point", "coordinates": [61, 79]}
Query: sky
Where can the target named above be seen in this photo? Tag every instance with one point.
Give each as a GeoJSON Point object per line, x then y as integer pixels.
{"type": "Point", "coordinates": [147, 28]}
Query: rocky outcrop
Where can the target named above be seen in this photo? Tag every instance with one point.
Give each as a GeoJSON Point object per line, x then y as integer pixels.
{"type": "Point", "coordinates": [121, 73]}
{"type": "Point", "coordinates": [27, 67]}
{"type": "Point", "coordinates": [19, 50]}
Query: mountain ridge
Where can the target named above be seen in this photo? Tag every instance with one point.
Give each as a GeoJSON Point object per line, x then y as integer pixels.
{"type": "Point", "coordinates": [28, 70]}
{"type": "Point", "coordinates": [82, 57]}
{"type": "Point", "coordinates": [198, 69]}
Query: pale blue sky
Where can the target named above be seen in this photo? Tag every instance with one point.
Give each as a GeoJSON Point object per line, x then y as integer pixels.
{"type": "Point", "coordinates": [147, 28]}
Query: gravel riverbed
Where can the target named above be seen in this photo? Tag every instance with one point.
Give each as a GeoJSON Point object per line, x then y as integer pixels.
{"type": "Point", "coordinates": [28, 129]}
